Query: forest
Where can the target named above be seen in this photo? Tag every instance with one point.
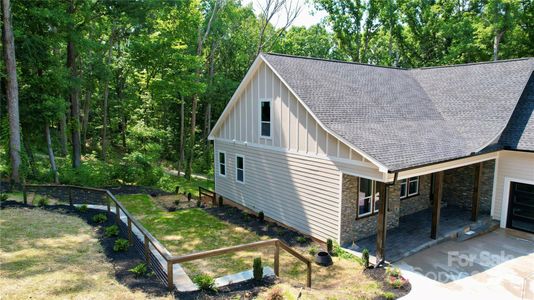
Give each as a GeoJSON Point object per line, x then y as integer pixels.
{"type": "Point", "coordinates": [106, 92]}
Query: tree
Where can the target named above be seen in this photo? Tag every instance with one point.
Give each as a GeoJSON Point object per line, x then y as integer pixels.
{"type": "Point", "coordinates": [12, 91]}
{"type": "Point", "coordinates": [268, 10]}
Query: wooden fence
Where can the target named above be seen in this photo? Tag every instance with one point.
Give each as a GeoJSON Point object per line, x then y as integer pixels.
{"type": "Point", "coordinates": [205, 192]}
{"type": "Point", "coordinates": [74, 194]}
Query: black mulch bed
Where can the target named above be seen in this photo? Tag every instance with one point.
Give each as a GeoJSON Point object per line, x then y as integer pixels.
{"type": "Point", "coordinates": [379, 275]}
{"type": "Point", "coordinates": [124, 261]}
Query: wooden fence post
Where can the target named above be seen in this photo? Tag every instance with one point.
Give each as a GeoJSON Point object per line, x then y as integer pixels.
{"type": "Point", "coordinates": [309, 279]}
{"type": "Point", "coordinates": [24, 195]}
{"type": "Point", "coordinates": [170, 275]}
{"type": "Point", "coordinates": [70, 196]}
{"type": "Point", "coordinates": [117, 214]}
{"type": "Point", "coordinates": [147, 251]}
{"type": "Point", "coordinates": [276, 259]}
{"type": "Point", "coordinates": [130, 231]}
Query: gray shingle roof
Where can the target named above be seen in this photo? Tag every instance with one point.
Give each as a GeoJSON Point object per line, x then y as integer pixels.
{"type": "Point", "coordinates": [407, 118]}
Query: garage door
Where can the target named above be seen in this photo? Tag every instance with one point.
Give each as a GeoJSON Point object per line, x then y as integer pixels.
{"type": "Point", "coordinates": [521, 207]}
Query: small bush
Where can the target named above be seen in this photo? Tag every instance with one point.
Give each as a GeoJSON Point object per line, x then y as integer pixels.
{"type": "Point", "coordinates": [329, 246]}
{"type": "Point", "coordinates": [313, 250]}
{"type": "Point", "coordinates": [121, 245]}
{"type": "Point", "coordinates": [394, 272]}
{"type": "Point", "coordinates": [199, 203]}
{"type": "Point", "coordinates": [100, 218]}
{"type": "Point", "coordinates": [301, 239]}
{"type": "Point", "coordinates": [261, 216]}
{"type": "Point", "coordinates": [189, 196]}
{"type": "Point", "coordinates": [397, 283]}
{"type": "Point", "coordinates": [42, 201]}
{"type": "Point", "coordinates": [276, 293]}
{"type": "Point", "coordinates": [139, 270]}
{"type": "Point", "coordinates": [365, 258]}
{"type": "Point", "coordinates": [204, 282]}
{"type": "Point", "coordinates": [3, 197]}
{"type": "Point", "coordinates": [111, 231]}
{"type": "Point", "coordinates": [246, 216]}
{"type": "Point", "coordinates": [82, 208]}
{"type": "Point", "coordinates": [389, 295]}
{"type": "Point", "coordinates": [257, 269]}
{"type": "Point", "coordinates": [221, 201]}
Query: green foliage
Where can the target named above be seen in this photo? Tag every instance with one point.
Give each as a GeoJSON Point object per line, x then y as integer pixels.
{"type": "Point", "coordinates": [389, 295]}
{"type": "Point", "coordinates": [3, 197]}
{"type": "Point", "coordinates": [111, 231]}
{"type": "Point", "coordinates": [121, 245]}
{"type": "Point", "coordinates": [257, 269]}
{"type": "Point", "coordinates": [339, 252]}
{"type": "Point", "coordinates": [394, 272]}
{"type": "Point", "coordinates": [40, 201]}
{"type": "Point", "coordinates": [301, 239]}
{"type": "Point", "coordinates": [82, 208]}
{"type": "Point", "coordinates": [140, 270]}
{"type": "Point", "coordinates": [189, 196]}
{"type": "Point", "coordinates": [313, 250]}
{"type": "Point", "coordinates": [261, 216]}
{"type": "Point", "coordinates": [329, 246]}
{"type": "Point", "coordinates": [365, 257]}
{"type": "Point", "coordinates": [204, 282]}
{"type": "Point", "coordinates": [100, 218]}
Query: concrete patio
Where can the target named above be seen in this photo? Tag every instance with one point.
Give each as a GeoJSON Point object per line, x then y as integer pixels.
{"type": "Point", "coordinates": [413, 233]}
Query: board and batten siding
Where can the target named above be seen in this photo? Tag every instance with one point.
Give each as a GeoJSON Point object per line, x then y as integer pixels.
{"type": "Point", "coordinates": [301, 192]}
{"type": "Point", "coordinates": [292, 127]}
{"type": "Point", "coordinates": [514, 166]}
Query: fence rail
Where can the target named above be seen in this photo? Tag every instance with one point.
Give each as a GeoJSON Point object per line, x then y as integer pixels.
{"type": "Point", "coordinates": [206, 192]}
{"type": "Point", "coordinates": [143, 246]}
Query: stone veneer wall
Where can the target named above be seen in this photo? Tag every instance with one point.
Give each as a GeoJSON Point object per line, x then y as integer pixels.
{"type": "Point", "coordinates": [353, 229]}
{"type": "Point", "coordinates": [417, 202]}
{"type": "Point", "coordinates": [458, 186]}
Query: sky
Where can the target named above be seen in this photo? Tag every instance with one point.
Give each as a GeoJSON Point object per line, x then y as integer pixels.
{"type": "Point", "coordinates": [307, 17]}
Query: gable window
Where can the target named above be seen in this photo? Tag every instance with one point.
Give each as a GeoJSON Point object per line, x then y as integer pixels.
{"type": "Point", "coordinates": [265, 118]}
{"type": "Point", "coordinates": [365, 197]}
{"type": "Point", "coordinates": [409, 187]}
{"type": "Point", "coordinates": [222, 163]}
{"type": "Point", "coordinates": [240, 168]}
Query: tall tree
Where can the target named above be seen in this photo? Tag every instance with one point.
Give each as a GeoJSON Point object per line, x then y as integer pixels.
{"type": "Point", "coordinates": [74, 90]}
{"type": "Point", "coordinates": [12, 91]}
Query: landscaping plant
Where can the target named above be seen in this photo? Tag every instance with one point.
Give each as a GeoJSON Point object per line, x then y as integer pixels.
{"type": "Point", "coordinates": [301, 239]}
{"type": "Point", "coordinates": [275, 293]}
{"type": "Point", "coordinates": [221, 201]}
{"type": "Point", "coordinates": [189, 196]}
{"type": "Point", "coordinates": [261, 216]}
{"type": "Point", "coordinates": [42, 201]}
{"type": "Point", "coordinates": [205, 282]}
{"type": "Point", "coordinates": [3, 197]}
{"type": "Point", "coordinates": [111, 231]}
{"type": "Point", "coordinates": [313, 250]}
{"type": "Point", "coordinates": [329, 246]}
{"type": "Point", "coordinates": [139, 270]}
{"type": "Point", "coordinates": [100, 218]}
{"type": "Point", "coordinates": [257, 269]}
{"type": "Point", "coordinates": [365, 257]}
{"type": "Point", "coordinates": [82, 208]}
{"type": "Point", "coordinates": [121, 245]}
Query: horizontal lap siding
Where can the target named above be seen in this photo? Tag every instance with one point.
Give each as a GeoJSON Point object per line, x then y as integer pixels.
{"type": "Point", "coordinates": [300, 192]}
{"type": "Point", "coordinates": [517, 165]}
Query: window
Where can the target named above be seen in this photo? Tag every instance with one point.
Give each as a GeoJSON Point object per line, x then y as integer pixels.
{"type": "Point", "coordinates": [222, 163]}
{"type": "Point", "coordinates": [239, 168]}
{"type": "Point", "coordinates": [409, 187]}
{"type": "Point", "coordinates": [265, 115]}
{"type": "Point", "coordinates": [365, 196]}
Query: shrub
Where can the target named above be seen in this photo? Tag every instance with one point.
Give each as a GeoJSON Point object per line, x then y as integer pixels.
{"type": "Point", "coordinates": [338, 251]}
{"type": "Point", "coordinates": [329, 246]}
{"type": "Point", "coordinates": [139, 270]}
{"type": "Point", "coordinates": [199, 203]}
{"type": "Point", "coordinates": [313, 250]}
{"type": "Point", "coordinates": [189, 196]}
{"type": "Point", "coordinates": [221, 201]}
{"type": "Point", "coordinates": [42, 201]}
{"type": "Point", "coordinates": [177, 189]}
{"type": "Point", "coordinates": [389, 295]}
{"type": "Point", "coordinates": [261, 216]}
{"type": "Point", "coordinates": [301, 239]}
{"type": "Point", "coordinates": [397, 283]}
{"type": "Point", "coordinates": [82, 208]}
{"type": "Point", "coordinates": [257, 269]}
{"type": "Point", "coordinates": [394, 272]}
{"type": "Point", "coordinates": [246, 217]}
{"type": "Point", "coordinates": [365, 257]}
{"type": "Point", "coordinates": [3, 197]}
{"type": "Point", "coordinates": [121, 245]}
{"type": "Point", "coordinates": [204, 282]}
{"type": "Point", "coordinates": [111, 231]}
{"type": "Point", "coordinates": [275, 293]}
{"type": "Point", "coordinates": [100, 218]}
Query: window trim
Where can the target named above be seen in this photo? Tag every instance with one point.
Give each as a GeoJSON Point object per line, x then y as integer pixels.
{"type": "Point", "coordinates": [260, 122]}
{"type": "Point", "coordinates": [219, 163]}
{"type": "Point", "coordinates": [371, 197]}
{"type": "Point", "coordinates": [406, 181]}
{"type": "Point", "coordinates": [236, 168]}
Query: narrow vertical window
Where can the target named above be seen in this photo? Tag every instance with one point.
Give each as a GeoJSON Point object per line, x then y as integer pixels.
{"type": "Point", "coordinates": [265, 116]}
{"type": "Point", "coordinates": [239, 169]}
{"type": "Point", "coordinates": [403, 188]}
{"type": "Point", "coordinates": [222, 163]}
{"type": "Point", "coordinates": [365, 197]}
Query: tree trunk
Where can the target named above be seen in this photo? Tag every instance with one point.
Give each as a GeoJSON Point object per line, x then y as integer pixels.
{"type": "Point", "coordinates": [85, 117]}
{"type": "Point", "coordinates": [63, 134]}
{"type": "Point", "coordinates": [105, 104]}
{"type": "Point", "coordinates": [496, 44]}
{"type": "Point", "coordinates": [51, 157]}
{"type": "Point", "coordinates": [182, 129]}
{"type": "Point", "coordinates": [74, 90]}
{"type": "Point", "coordinates": [12, 90]}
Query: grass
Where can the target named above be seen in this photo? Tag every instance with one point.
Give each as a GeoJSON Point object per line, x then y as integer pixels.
{"type": "Point", "coordinates": [169, 183]}
{"type": "Point", "coordinates": [193, 230]}
{"type": "Point", "coordinates": [47, 255]}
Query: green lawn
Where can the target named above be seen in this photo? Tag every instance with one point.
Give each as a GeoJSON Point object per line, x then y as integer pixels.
{"type": "Point", "coordinates": [169, 183]}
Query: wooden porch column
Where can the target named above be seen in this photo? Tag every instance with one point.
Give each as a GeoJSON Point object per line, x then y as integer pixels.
{"type": "Point", "coordinates": [436, 208]}
{"type": "Point", "coordinates": [381, 223]}
{"type": "Point", "coordinates": [475, 202]}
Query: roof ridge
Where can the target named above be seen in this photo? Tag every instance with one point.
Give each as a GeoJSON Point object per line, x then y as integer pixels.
{"type": "Point", "coordinates": [334, 61]}
{"type": "Point", "coordinates": [473, 63]}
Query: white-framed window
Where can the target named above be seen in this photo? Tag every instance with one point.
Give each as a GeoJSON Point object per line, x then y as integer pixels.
{"type": "Point", "coordinates": [222, 163]}
{"type": "Point", "coordinates": [365, 197]}
{"type": "Point", "coordinates": [265, 118]}
{"type": "Point", "coordinates": [409, 187]}
{"type": "Point", "coordinates": [240, 168]}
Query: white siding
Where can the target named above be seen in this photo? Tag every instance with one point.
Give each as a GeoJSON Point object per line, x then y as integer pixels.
{"type": "Point", "coordinates": [301, 192]}
{"type": "Point", "coordinates": [293, 127]}
{"type": "Point", "coordinates": [511, 165]}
